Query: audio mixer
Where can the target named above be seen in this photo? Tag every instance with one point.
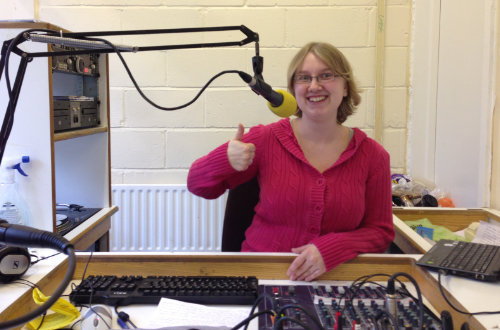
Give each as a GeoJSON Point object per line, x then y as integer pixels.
{"type": "Point", "coordinates": [337, 307]}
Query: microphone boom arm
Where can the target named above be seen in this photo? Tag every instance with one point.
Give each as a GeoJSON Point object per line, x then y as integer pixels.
{"type": "Point", "coordinates": [54, 37]}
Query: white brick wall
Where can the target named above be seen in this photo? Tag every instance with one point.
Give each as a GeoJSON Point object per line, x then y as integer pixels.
{"type": "Point", "coordinates": [154, 146]}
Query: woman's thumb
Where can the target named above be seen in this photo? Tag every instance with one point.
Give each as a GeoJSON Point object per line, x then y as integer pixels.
{"type": "Point", "coordinates": [239, 133]}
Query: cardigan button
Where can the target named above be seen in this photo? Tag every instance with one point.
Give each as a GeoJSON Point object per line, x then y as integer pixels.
{"type": "Point", "coordinates": [320, 181]}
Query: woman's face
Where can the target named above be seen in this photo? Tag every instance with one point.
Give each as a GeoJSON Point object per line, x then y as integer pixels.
{"type": "Point", "coordinates": [320, 97]}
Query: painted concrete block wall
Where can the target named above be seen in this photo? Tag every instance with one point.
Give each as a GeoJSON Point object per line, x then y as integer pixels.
{"type": "Point", "coordinates": [154, 146]}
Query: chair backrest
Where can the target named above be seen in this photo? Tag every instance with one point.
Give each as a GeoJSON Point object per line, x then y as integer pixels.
{"type": "Point", "coordinates": [240, 205]}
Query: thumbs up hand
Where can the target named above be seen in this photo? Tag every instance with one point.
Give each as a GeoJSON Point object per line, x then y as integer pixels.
{"type": "Point", "coordinates": [239, 153]}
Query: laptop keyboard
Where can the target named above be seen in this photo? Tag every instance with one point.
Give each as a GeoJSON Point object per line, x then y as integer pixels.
{"type": "Point", "coordinates": [472, 257]}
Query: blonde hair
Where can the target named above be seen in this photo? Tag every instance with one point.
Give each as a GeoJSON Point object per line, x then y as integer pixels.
{"type": "Point", "coordinates": [336, 61]}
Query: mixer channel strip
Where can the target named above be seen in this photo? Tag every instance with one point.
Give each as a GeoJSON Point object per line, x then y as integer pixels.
{"type": "Point", "coordinates": [127, 290]}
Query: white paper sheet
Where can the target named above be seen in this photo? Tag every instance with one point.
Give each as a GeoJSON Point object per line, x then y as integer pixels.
{"type": "Point", "coordinates": [487, 233]}
{"type": "Point", "coordinates": [170, 312]}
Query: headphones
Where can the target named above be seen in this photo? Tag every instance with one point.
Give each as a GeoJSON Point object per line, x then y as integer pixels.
{"type": "Point", "coordinates": [14, 262]}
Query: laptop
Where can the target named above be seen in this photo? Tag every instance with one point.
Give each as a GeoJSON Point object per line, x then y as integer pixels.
{"type": "Point", "coordinates": [473, 260]}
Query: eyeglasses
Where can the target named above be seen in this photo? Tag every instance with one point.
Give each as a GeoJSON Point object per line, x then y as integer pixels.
{"type": "Point", "coordinates": [321, 78]}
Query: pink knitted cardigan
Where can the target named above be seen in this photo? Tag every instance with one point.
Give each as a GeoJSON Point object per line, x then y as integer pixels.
{"type": "Point", "coordinates": [344, 211]}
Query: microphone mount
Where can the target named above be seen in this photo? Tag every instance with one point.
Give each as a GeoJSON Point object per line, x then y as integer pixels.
{"type": "Point", "coordinates": [257, 63]}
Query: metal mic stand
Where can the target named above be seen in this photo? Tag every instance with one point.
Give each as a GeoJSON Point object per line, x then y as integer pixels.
{"type": "Point", "coordinates": [13, 97]}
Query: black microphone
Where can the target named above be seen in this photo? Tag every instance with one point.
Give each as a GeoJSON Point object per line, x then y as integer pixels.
{"type": "Point", "coordinates": [23, 236]}
{"type": "Point", "coordinates": [281, 102]}
{"type": "Point", "coordinates": [391, 305]}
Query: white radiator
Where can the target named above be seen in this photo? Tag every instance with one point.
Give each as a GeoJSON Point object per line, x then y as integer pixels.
{"type": "Point", "coordinates": [158, 218]}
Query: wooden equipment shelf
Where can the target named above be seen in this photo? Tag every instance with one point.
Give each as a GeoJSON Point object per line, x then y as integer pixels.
{"type": "Point", "coordinates": [70, 167]}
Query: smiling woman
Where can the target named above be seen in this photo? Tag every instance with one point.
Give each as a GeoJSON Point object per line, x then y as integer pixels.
{"type": "Point", "coordinates": [324, 187]}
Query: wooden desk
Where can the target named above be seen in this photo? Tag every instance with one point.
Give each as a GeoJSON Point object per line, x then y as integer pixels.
{"type": "Point", "coordinates": [95, 229]}
{"type": "Point", "coordinates": [263, 266]}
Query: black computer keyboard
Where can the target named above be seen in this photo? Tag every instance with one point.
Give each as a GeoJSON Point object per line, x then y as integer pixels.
{"type": "Point", "coordinates": [126, 290]}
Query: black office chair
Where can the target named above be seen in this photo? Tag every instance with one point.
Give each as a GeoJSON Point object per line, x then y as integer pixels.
{"type": "Point", "coordinates": [240, 205]}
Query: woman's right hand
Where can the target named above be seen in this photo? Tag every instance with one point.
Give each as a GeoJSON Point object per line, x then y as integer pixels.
{"type": "Point", "coordinates": [239, 153]}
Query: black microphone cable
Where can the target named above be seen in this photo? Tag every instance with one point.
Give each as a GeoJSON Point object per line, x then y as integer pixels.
{"type": "Point", "coordinates": [124, 318]}
{"type": "Point", "coordinates": [281, 319]}
{"type": "Point", "coordinates": [453, 306]}
{"type": "Point", "coordinates": [406, 293]}
{"type": "Point", "coordinates": [257, 302]}
{"type": "Point", "coordinates": [138, 88]}
{"type": "Point", "coordinates": [251, 317]}
{"type": "Point", "coordinates": [392, 291]}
